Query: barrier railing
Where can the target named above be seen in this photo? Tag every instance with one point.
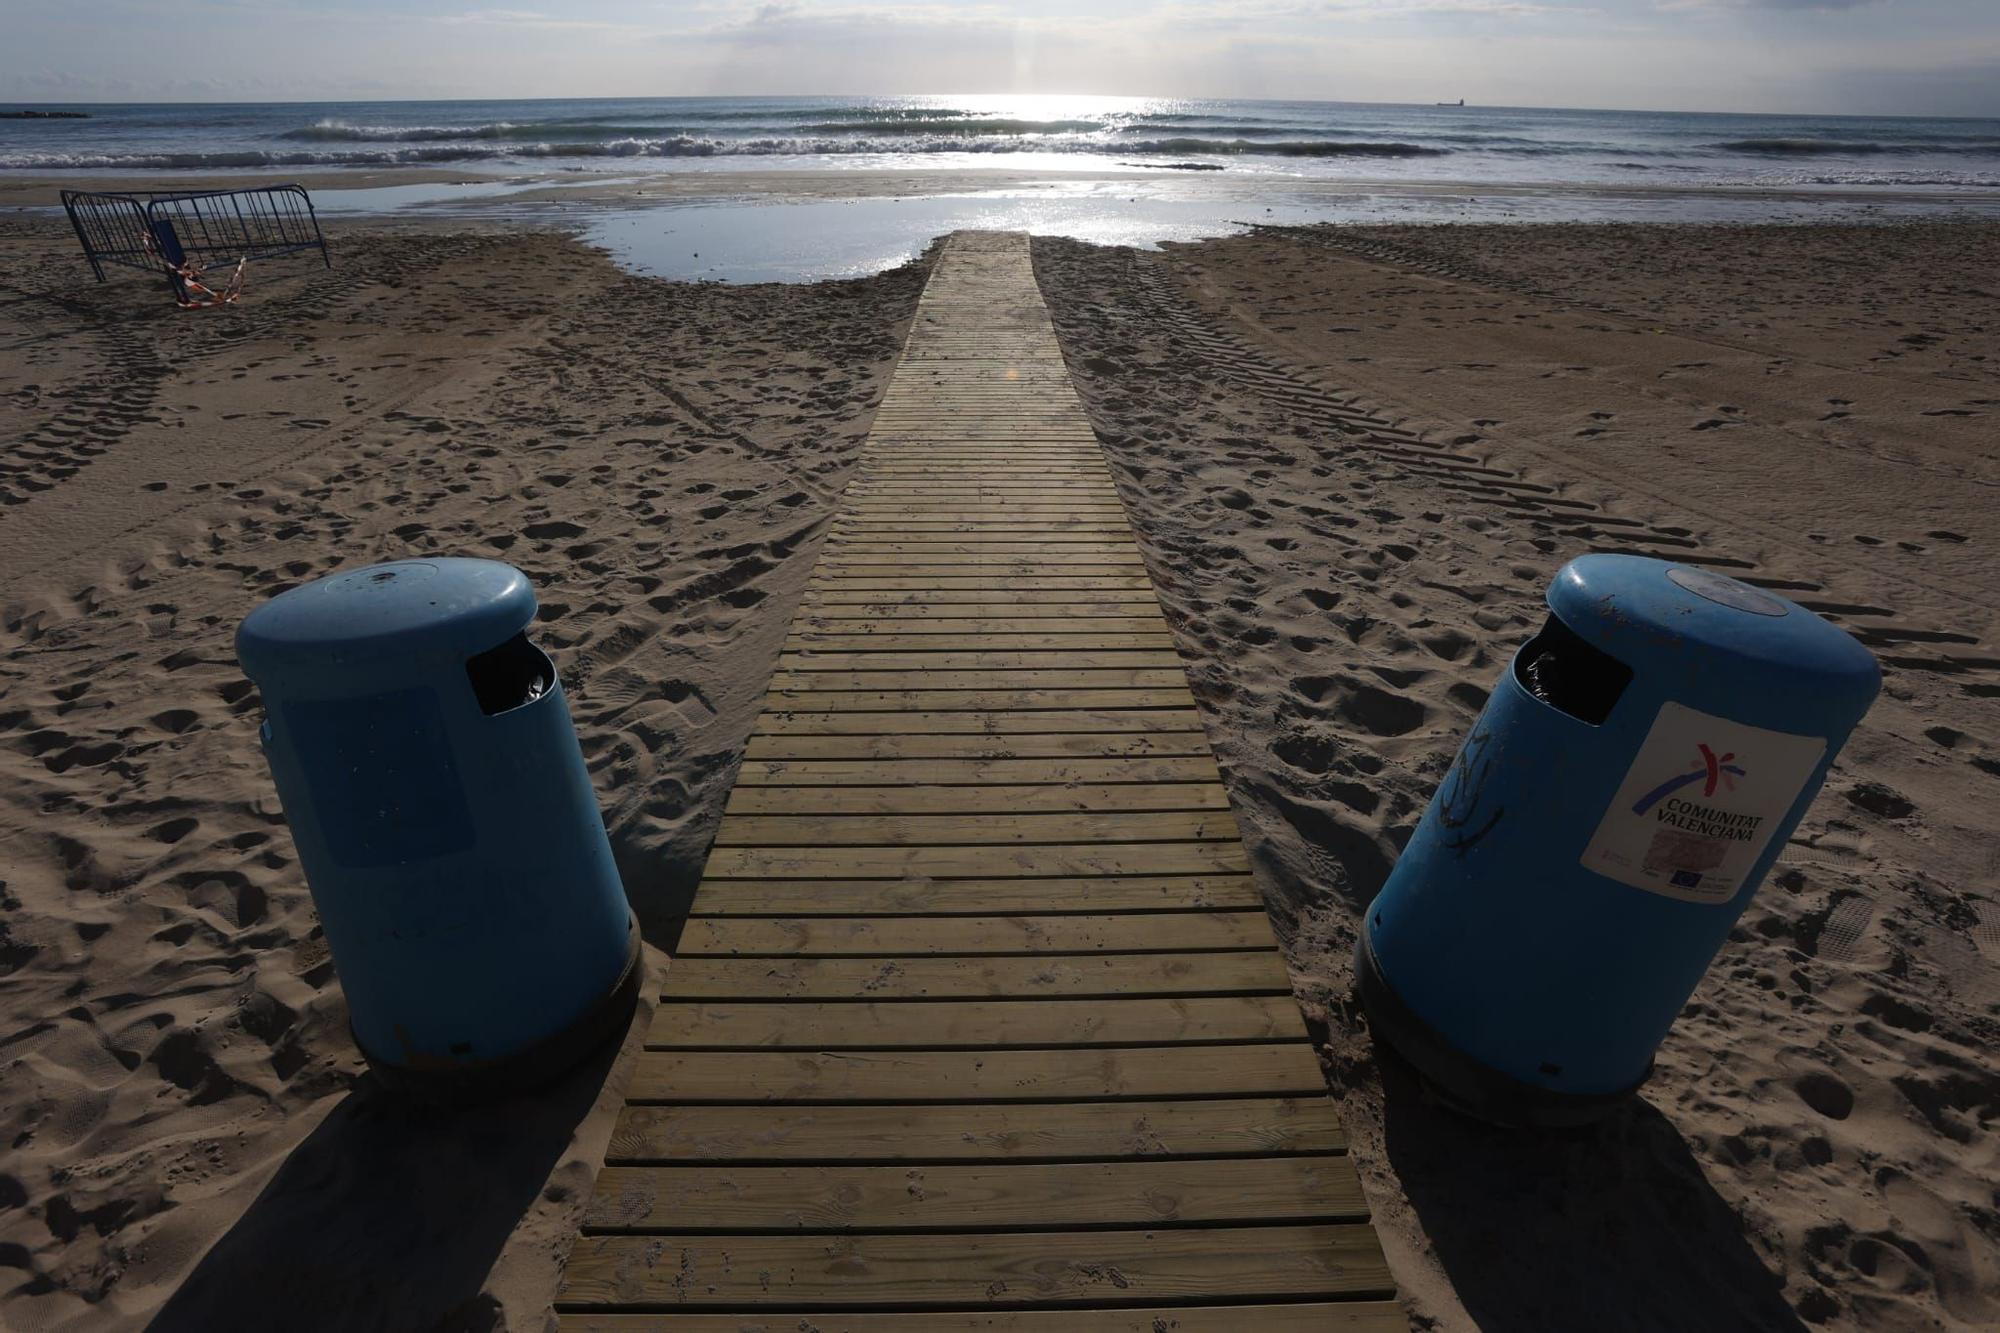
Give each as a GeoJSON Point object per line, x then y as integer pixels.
{"type": "Point", "coordinates": [182, 234]}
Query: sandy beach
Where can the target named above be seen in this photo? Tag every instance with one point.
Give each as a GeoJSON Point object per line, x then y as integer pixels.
{"type": "Point", "coordinates": [1814, 404]}
{"type": "Point", "coordinates": [191, 1141]}
{"type": "Point", "coordinates": [658, 459]}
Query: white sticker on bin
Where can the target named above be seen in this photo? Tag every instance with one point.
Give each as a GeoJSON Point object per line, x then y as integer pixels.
{"type": "Point", "coordinates": [1699, 805]}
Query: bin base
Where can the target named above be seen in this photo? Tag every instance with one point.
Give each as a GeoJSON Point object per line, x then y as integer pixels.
{"type": "Point", "coordinates": [527, 1069]}
{"type": "Point", "coordinates": [1462, 1083]}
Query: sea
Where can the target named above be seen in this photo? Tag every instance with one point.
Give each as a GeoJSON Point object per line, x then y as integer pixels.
{"type": "Point", "coordinates": [1115, 169]}
{"type": "Point", "coordinates": [1457, 143]}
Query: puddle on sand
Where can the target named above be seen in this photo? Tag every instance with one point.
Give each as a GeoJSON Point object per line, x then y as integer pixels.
{"type": "Point", "coordinates": [390, 198]}
{"type": "Point", "coordinates": [744, 240]}
{"type": "Point", "coordinates": [749, 239]}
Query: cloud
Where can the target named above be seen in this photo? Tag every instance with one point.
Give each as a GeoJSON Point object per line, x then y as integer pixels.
{"type": "Point", "coordinates": [525, 18]}
{"type": "Point", "coordinates": [1781, 6]}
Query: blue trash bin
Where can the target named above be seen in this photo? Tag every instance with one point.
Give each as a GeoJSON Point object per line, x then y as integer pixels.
{"type": "Point", "coordinates": [429, 770]}
{"type": "Point", "coordinates": [1635, 773]}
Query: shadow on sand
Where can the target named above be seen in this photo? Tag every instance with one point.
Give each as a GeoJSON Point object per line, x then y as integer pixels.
{"type": "Point", "coordinates": [660, 883]}
{"type": "Point", "coordinates": [1608, 1228]}
{"type": "Point", "coordinates": [389, 1215]}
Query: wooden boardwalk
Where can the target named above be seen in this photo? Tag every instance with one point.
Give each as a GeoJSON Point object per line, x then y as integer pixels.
{"type": "Point", "coordinates": [978, 1022]}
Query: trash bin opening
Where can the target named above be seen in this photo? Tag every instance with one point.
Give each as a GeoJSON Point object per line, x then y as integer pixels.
{"type": "Point", "coordinates": [511, 675]}
{"type": "Point", "coordinates": [1570, 674]}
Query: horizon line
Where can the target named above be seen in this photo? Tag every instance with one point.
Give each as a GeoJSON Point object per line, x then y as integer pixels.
{"type": "Point", "coordinates": [7, 103]}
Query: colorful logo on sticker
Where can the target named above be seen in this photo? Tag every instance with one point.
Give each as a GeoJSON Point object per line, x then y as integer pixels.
{"type": "Point", "coordinates": [1713, 771]}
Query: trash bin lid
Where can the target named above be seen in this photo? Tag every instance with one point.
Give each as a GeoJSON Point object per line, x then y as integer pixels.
{"type": "Point", "coordinates": [351, 630]}
{"type": "Point", "coordinates": [1655, 614]}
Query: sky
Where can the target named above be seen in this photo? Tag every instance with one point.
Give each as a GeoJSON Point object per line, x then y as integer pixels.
{"type": "Point", "coordinates": [1869, 57]}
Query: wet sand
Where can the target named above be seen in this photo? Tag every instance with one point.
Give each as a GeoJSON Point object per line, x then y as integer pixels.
{"type": "Point", "coordinates": [190, 1138]}
{"type": "Point", "coordinates": [1345, 197]}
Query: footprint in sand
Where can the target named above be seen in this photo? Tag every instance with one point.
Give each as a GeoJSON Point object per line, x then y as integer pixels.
{"type": "Point", "coordinates": [1825, 1093]}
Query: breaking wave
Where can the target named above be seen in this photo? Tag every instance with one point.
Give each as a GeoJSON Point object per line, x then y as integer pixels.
{"type": "Point", "coordinates": [394, 151]}
{"type": "Point", "coordinates": [1285, 137]}
{"type": "Point", "coordinates": [1852, 147]}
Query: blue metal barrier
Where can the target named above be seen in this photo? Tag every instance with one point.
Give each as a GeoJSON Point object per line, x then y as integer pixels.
{"type": "Point", "coordinates": [437, 796]}
{"type": "Point", "coordinates": [160, 233]}
{"type": "Point", "coordinates": [1635, 773]}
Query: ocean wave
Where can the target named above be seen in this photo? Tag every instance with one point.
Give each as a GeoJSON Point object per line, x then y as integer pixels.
{"type": "Point", "coordinates": [952, 125]}
{"type": "Point", "coordinates": [1284, 148]}
{"type": "Point", "coordinates": [1852, 147]}
{"type": "Point", "coordinates": [248, 157]}
{"type": "Point", "coordinates": [336, 131]}
{"type": "Point", "coordinates": [391, 153]}
{"type": "Point", "coordinates": [1980, 181]}
{"type": "Point", "coordinates": [1236, 131]}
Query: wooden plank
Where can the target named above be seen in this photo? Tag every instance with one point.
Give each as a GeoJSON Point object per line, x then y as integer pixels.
{"type": "Point", "coordinates": [999, 1131]}
{"type": "Point", "coordinates": [1017, 505]}
{"type": "Point", "coordinates": [958, 660]}
{"type": "Point", "coordinates": [1021, 775]}
{"type": "Point", "coordinates": [970, 478]}
{"type": "Point", "coordinates": [986, 1196]}
{"type": "Point", "coordinates": [862, 1025]}
{"type": "Point", "coordinates": [1011, 475]}
{"type": "Point", "coordinates": [980, 422]}
{"type": "Point", "coordinates": [944, 464]}
{"type": "Point", "coordinates": [982, 525]}
{"type": "Point", "coordinates": [1012, 458]}
{"type": "Point", "coordinates": [941, 466]}
{"type": "Point", "coordinates": [976, 897]}
{"type": "Point", "coordinates": [1155, 858]}
{"type": "Point", "coordinates": [972, 494]}
{"type": "Point", "coordinates": [976, 744]}
{"type": "Point", "coordinates": [883, 516]}
{"type": "Point", "coordinates": [789, 699]}
{"type": "Point", "coordinates": [928, 830]}
{"type": "Point", "coordinates": [921, 508]}
{"type": "Point", "coordinates": [980, 799]}
{"type": "Point", "coordinates": [1359, 1316]}
{"type": "Point", "coordinates": [1252, 971]}
{"type": "Point", "coordinates": [981, 1270]}
{"type": "Point", "coordinates": [908, 618]}
{"type": "Point", "coordinates": [837, 567]}
{"type": "Point", "coordinates": [879, 542]}
{"type": "Point", "coordinates": [912, 548]}
{"type": "Point", "coordinates": [847, 563]}
{"type": "Point", "coordinates": [1277, 1069]}
{"type": "Point", "coordinates": [909, 542]}
{"type": "Point", "coordinates": [894, 936]}
{"type": "Point", "coordinates": [887, 599]}
{"type": "Point", "coordinates": [920, 722]}
{"type": "Point", "coordinates": [991, 640]}
{"type": "Point", "coordinates": [803, 675]}
{"type": "Point", "coordinates": [1116, 625]}
{"type": "Point", "coordinates": [989, 463]}
{"type": "Point", "coordinates": [1020, 579]}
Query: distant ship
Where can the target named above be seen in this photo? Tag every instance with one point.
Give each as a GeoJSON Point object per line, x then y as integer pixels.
{"type": "Point", "coordinates": [1459, 102]}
